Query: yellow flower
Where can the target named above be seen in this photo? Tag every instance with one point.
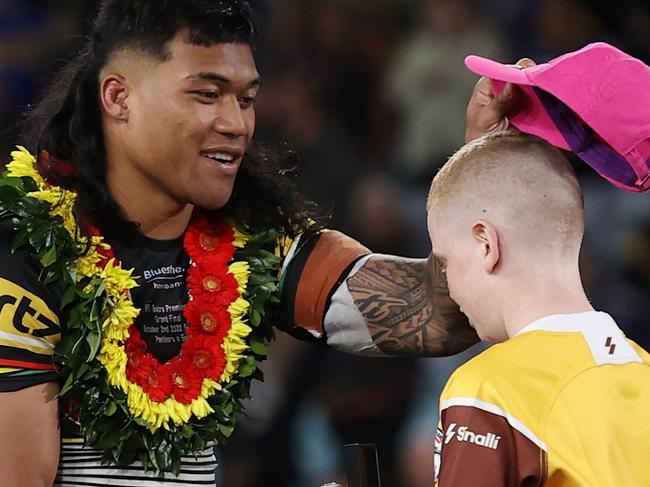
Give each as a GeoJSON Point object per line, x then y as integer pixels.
{"type": "Point", "coordinates": [23, 164]}
{"type": "Point", "coordinates": [62, 201]}
{"type": "Point", "coordinates": [240, 237]}
{"type": "Point", "coordinates": [116, 279]}
{"type": "Point", "coordinates": [86, 265]}
{"type": "Point", "coordinates": [116, 325]}
{"type": "Point", "coordinates": [113, 358]}
{"type": "Point", "coordinates": [241, 271]}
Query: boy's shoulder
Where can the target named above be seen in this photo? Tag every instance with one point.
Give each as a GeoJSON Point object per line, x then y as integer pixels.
{"type": "Point", "coordinates": [539, 362]}
{"type": "Point", "coordinates": [525, 369]}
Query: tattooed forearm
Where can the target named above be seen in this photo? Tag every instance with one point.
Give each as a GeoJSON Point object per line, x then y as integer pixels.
{"type": "Point", "coordinates": [406, 305]}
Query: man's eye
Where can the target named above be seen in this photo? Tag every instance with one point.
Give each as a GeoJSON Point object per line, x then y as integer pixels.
{"type": "Point", "coordinates": [246, 101]}
{"type": "Point", "coordinates": [207, 94]}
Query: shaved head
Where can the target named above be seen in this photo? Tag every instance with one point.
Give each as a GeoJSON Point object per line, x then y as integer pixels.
{"type": "Point", "coordinates": [515, 181]}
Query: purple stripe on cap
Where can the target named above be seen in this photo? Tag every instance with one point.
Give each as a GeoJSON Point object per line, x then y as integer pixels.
{"type": "Point", "coordinates": [584, 142]}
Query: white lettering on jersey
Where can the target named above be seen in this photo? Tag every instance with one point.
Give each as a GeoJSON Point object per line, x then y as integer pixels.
{"type": "Point", "coordinates": [464, 434]}
{"type": "Point", "coordinates": [450, 433]}
{"type": "Point", "coordinates": [163, 272]}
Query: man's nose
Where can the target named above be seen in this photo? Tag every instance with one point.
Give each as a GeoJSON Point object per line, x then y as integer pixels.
{"type": "Point", "coordinates": [230, 118]}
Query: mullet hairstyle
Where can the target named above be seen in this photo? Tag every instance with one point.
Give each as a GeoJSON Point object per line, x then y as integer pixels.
{"type": "Point", "coordinates": [65, 127]}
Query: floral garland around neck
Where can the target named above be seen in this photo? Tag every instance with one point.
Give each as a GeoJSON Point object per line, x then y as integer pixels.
{"type": "Point", "coordinates": [128, 404]}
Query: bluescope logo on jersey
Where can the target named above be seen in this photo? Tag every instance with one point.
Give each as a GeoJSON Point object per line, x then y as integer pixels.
{"type": "Point", "coordinates": [26, 322]}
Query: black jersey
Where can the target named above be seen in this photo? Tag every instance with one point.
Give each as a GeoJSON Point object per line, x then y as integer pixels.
{"type": "Point", "coordinates": [31, 322]}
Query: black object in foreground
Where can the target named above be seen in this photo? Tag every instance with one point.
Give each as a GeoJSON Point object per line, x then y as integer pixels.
{"type": "Point", "coordinates": [362, 465]}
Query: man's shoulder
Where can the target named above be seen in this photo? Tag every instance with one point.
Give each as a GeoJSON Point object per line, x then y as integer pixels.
{"type": "Point", "coordinates": [19, 269]}
{"type": "Point", "coordinates": [15, 264]}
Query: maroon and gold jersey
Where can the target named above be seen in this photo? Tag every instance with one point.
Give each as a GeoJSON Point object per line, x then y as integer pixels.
{"type": "Point", "coordinates": [565, 402]}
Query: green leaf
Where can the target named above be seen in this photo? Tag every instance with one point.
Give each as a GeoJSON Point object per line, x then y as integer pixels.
{"type": "Point", "coordinates": [226, 430]}
{"type": "Point", "coordinates": [67, 385]}
{"type": "Point", "coordinates": [163, 456]}
{"type": "Point", "coordinates": [141, 422]}
{"type": "Point", "coordinates": [93, 339]}
{"type": "Point", "coordinates": [100, 289]}
{"type": "Point", "coordinates": [153, 459]}
{"type": "Point", "coordinates": [95, 312]}
{"type": "Point", "coordinates": [228, 408]}
{"type": "Point", "coordinates": [15, 183]}
{"type": "Point", "coordinates": [255, 317]}
{"type": "Point", "coordinates": [186, 431]}
{"type": "Point", "coordinates": [83, 368]}
{"type": "Point", "coordinates": [259, 348]}
{"type": "Point", "coordinates": [108, 439]}
{"type": "Point", "coordinates": [176, 465]}
{"type": "Point", "coordinates": [69, 295]}
{"type": "Point", "coordinates": [49, 257]}
{"type": "Point", "coordinates": [247, 367]}
{"type": "Point", "coordinates": [21, 238]}
{"type": "Point", "coordinates": [110, 410]}
{"type": "Point", "coordinates": [37, 236]}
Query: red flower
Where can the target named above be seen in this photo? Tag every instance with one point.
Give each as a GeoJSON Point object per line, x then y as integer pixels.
{"type": "Point", "coordinates": [204, 353]}
{"type": "Point", "coordinates": [135, 338]}
{"type": "Point", "coordinates": [140, 363]}
{"type": "Point", "coordinates": [206, 318]}
{"type": "Point", "coordinates": [186, 380]}
{"type": "Point", "coordinates": [139, 368]}
{"type": "Point", "coordinates": [210, 281]}
{"type": "Point", "coordinates": [158, 384]}
{"type": "Point", "coordinates": [212, 289]}
{"type": "Point", "coordinates": [205, 237]}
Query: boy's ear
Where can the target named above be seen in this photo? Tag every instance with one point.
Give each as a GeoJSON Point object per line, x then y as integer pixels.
{"type": "Point", "coordinates": [486, 235]}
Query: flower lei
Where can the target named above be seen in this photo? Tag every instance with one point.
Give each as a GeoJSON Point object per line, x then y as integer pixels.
{"type": "Point", "coordinates": [128, 404]}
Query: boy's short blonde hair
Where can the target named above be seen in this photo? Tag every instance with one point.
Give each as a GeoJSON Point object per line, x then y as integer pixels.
{"type": "Point", "coordinates": [512, 179]}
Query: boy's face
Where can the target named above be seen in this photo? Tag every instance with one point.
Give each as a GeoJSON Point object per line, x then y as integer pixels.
{"type": "Point", "coordinates": [469, 285]}
{"type": "Point", "coordinates": [191, 118]}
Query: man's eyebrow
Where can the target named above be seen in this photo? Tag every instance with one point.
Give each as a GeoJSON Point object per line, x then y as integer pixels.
{"type": "Point", "coordinates": [217, 78]}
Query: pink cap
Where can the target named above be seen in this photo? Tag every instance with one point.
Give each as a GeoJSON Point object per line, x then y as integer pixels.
{"type": "Point", "coordinates": [594, 101]}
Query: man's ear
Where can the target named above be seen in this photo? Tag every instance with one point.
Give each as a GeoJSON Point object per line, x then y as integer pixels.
{"type": "Point", "coordinates": [486, 235]}
{"type": "Point", "coordinates": [113, 95]}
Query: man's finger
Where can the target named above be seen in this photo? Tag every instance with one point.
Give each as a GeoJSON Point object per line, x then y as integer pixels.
{"type": "Point", "coordinates": [486, 112]}
{"type": "Point", "coordinates": [526, 62]}
{"type": "Point", "coordinates": [506, 96]}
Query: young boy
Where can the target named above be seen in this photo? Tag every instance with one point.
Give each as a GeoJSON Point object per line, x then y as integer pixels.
{"type": "Point", "coordinates": [562, 398]}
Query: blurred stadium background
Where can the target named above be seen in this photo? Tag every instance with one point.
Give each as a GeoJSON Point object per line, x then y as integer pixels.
{"type": "Point", "coordinates": [371, 95]}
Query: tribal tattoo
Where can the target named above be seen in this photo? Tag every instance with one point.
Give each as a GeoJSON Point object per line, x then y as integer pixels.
{"type": "Point", "coordinates": [407, 308]}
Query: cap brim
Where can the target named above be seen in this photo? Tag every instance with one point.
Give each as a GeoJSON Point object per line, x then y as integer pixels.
{"type": "Point", "coordinates": [494, 70]}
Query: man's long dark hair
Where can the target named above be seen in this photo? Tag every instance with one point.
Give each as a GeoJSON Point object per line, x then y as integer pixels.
{"type": "Point", "coordinates": [66, 125]}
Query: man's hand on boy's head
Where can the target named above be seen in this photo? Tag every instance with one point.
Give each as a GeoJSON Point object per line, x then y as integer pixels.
{"type": "Point", "coordinates": [486, 112]}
